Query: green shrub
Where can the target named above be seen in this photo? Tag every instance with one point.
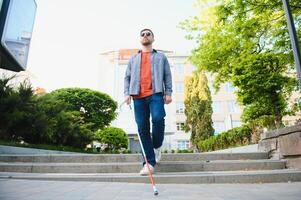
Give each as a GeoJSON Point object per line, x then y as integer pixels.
{"type": "Point", "coordinates": [96, 108]}
{"type": "Point", "coordinates": [235, 137]}
{"type": "Point", "coordinates": [184, 151]}
{"type": "Point", "coordinates": [126, 151]}
{"type": "Point", "coordinates": [20, 117]}
{"type": "Point", "coordinates": [112, 138]}
{"type": "Point", "coordinates": [67, 117]}
{"type": "Point", "coordinates": [64, 127]}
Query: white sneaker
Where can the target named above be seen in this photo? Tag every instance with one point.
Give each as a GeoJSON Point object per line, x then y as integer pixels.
{"type": "Point", "coordinates": [158, 154]}
{"type": "Point", "coordinates": [144, 170]}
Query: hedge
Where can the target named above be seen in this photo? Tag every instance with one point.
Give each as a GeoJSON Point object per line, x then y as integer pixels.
{"type": "Point", "coordinates": [235, 137]}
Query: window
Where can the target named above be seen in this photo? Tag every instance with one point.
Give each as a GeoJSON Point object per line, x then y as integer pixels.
{"type": "Point", "coordinates": [219, 126]}
{"type": "Point", "coordinates": [179, 68]}
{"type": "Point", "coordinates": [236, 124]}
{"type": "Point", "coordinates": [216, 106]}
{"type": "Point", "coordinates": [183, 144]}
{"type": "Point", "coordinates": [230, 105]}
{"type": "Point", "coordinates": [233, 107]}
{"type": "Point", "coordinates": [180, 107]}
{"type": "Point", "coordinates": [180, 87]}
{"type": "Point", "coordinates": [229, 87]}
{"type": "Point", "coordinates": [180, 126]}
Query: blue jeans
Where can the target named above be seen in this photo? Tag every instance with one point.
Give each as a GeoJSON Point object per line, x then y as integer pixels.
{"type": "Point", "coordinates": [144, 107]}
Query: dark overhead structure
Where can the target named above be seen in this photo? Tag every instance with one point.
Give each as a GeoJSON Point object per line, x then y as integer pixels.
{"type": "Point", "coordinates": [294, 38]}
{"type": "Point", "coordinates": [16, 25]}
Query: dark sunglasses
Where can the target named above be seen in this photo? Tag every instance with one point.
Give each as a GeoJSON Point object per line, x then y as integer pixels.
{"type": "Point", "coordinates": [145, 34]}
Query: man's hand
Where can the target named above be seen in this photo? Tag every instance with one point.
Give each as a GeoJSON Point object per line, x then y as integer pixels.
{"type": "Point", "coordinates": [127, 100]}
{"type": "Point", "coordinates": [167, 99]}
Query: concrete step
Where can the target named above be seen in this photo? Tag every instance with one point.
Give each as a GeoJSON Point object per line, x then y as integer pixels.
{"type": "Point", "coordinates": [264, 176]}
{"type": "Point", "coordinates": [133, 167]}
{"type": "Point", "coordinates": [109, 158]}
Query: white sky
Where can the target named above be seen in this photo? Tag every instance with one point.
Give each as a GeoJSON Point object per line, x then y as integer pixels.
{"type": "Point", "coordinates": [69, 35]}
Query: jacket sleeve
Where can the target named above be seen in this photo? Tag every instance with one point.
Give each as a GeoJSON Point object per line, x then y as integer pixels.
{"type": "Point", "coordinates": [167, 78]}
{"type": "Point", "coordinates": [127, 79]}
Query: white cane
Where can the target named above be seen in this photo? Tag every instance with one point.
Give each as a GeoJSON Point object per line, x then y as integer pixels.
{"type": "Point", "coordinates": [146, 161]}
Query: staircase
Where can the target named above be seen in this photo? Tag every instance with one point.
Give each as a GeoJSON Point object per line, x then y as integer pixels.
{"type": "Point", "coordinates": [173, 168]}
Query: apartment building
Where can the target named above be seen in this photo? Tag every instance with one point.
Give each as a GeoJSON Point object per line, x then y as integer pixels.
{"type": "Point", "coordinates": [226, 112]}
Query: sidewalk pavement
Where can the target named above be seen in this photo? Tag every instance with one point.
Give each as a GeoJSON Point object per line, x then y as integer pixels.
{"type": "Point", "coordinates": [68, 190]}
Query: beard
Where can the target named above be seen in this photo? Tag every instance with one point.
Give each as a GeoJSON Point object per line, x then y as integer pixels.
{"type": "Point", "coordinates": [146, 42]}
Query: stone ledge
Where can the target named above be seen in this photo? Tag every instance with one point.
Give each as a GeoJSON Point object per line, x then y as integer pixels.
{"type": "Point", "coordinates": [283, 144]}
{"type": "Point", "coordinates": [279, 132]}
{"type": "Point", "coordinates": [290, 145]}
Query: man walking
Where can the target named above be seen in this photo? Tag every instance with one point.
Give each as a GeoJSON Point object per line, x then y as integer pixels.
{"type": "Point", "coordinates": [148, 81]}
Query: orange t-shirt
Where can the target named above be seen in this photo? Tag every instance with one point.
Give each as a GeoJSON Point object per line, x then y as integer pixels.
{"type": "Point", "coordinates": [145, 76]}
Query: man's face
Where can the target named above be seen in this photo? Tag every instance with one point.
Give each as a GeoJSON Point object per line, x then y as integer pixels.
{"type": "Point", "coordinates": [146, 38]}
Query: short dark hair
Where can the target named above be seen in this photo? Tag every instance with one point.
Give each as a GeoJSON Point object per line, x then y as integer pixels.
{"type": "Point", "coordinates": [147, 29]}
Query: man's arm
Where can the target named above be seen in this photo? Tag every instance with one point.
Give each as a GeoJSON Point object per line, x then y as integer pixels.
{"type": "Point", "coordinates": [167, 81]}
{"type": "Point", "coordinates": [127, 79]}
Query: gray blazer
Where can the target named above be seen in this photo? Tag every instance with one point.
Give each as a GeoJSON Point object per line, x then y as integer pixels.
{"type": "Point", "coordinates": [161, 74]}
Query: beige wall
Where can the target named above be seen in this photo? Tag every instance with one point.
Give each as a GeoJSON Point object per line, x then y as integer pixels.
{"type": "Point", "coordinates": [223, 120]}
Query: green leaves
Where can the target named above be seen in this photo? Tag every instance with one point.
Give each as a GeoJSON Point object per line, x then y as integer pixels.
{"type": "Point", "coordinates": [20, 117]}
{"type": "Point", "coordinates": [64, 117]}
{"type": "Point", "coordinates": [248, 45]}
{"type": "Point", "coordinates": [235, 137]}
{"type": "Point", "coordinates": [95, 107]}
{"type": "Point", "coordinates": [113, 138]}
{"type": "Point", "coordinates": [198, 108]}
{"type": "Point", "coordinates": [263, 87]}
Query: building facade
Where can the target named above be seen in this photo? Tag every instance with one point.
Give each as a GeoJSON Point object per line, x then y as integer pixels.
{"type": "Point", "coordinates": [226, 112]}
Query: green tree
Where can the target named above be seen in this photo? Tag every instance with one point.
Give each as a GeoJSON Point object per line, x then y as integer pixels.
{"type": "Point", "coordinates": [114, 138]}
{"type": "Point", "coordinates": [65, 127]}
{"type": "Point", "coordinates": [7, 102]}
{"type": "Point", "coordinates": [264, 97]}
{"type": "Point", "coordinates": [27, 122]}
{"type": "Point", "coordinates": [43, 119]}
{"type": "Point", "coordinates": [20, 118]}
{"type": "Point", "coordinates": [96, 108]}
{"type": "Point", "coordinates": [247, 43]}
{"type": "Point", "coordinates": [198, 108]}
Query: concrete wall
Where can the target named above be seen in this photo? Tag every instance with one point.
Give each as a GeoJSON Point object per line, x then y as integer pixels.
{"type": "Point", "coordinates": [283, 144]}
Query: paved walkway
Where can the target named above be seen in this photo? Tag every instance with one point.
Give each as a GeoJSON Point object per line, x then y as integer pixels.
{"type": "Point", "coordinates": [4, 149]}
{"type": "Point", "coordinates": [66, 190]}
{"type": "Point", "coordinates": [243, 149]}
